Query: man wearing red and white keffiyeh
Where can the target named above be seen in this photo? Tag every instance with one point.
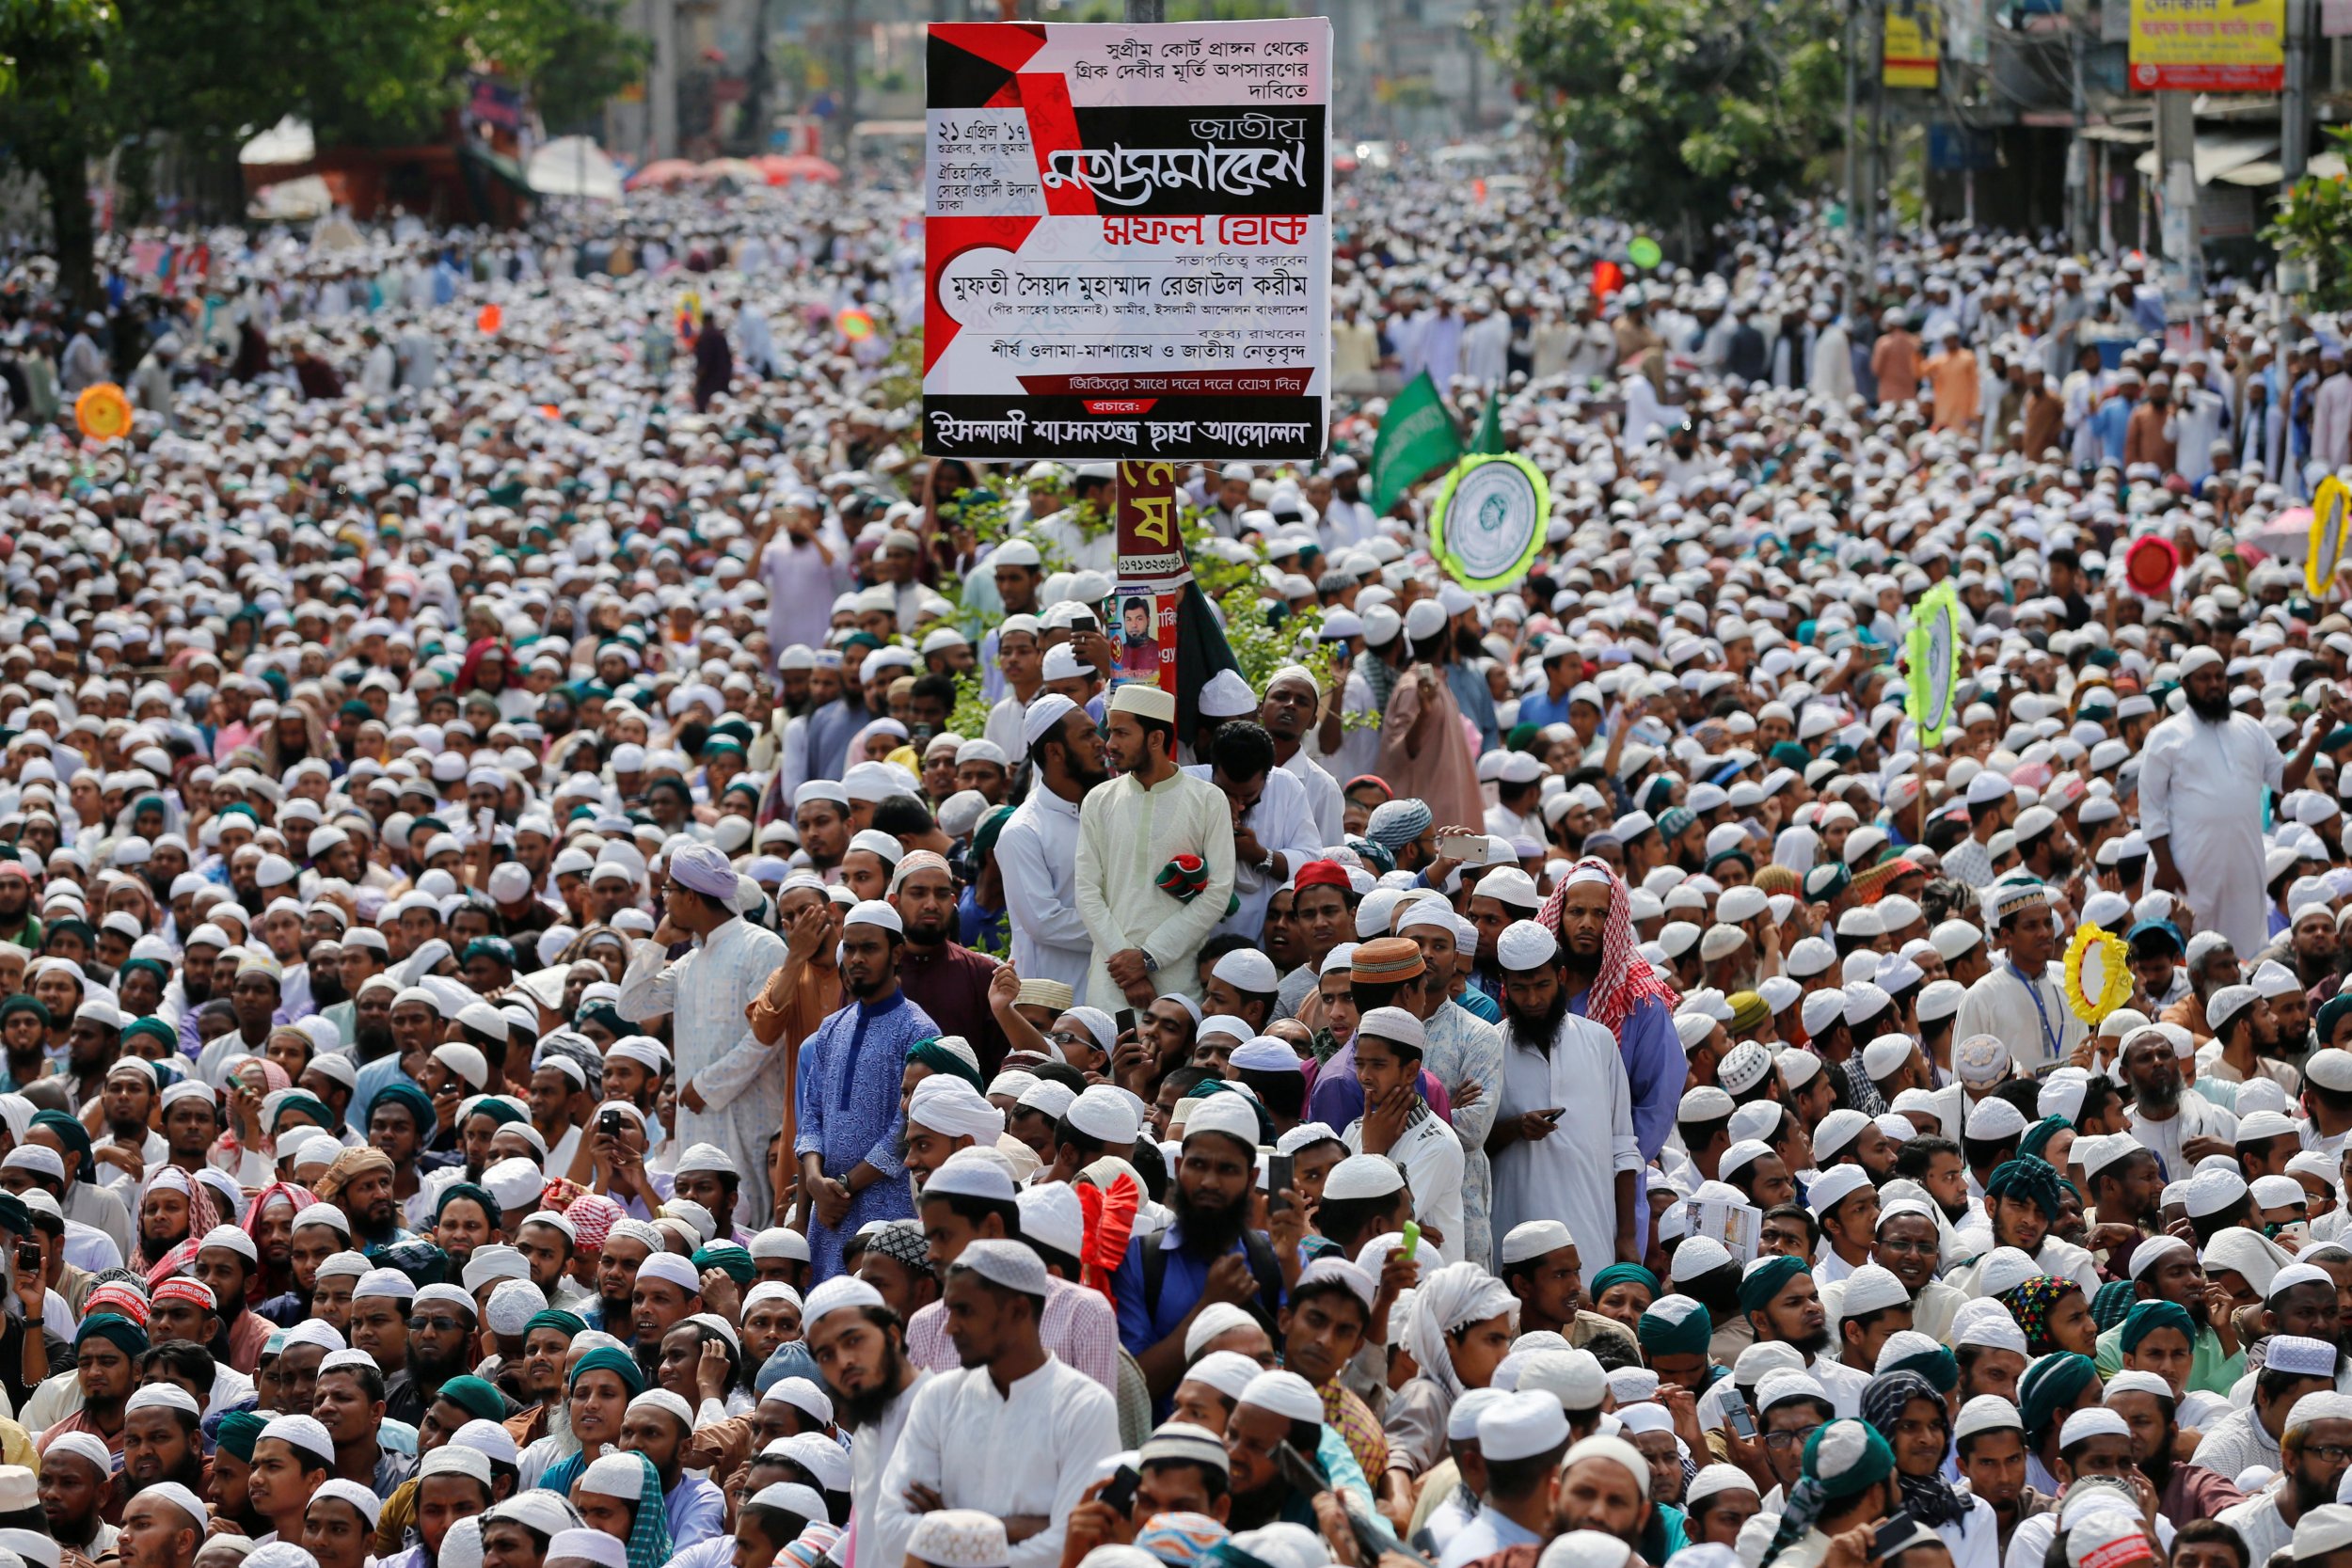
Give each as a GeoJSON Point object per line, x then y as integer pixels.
{"type": "Point", "coordinates": [1611, 983]}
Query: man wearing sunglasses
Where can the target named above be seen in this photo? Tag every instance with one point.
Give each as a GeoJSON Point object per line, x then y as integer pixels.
{"type": "Point", "coordinates": [443, 1325]}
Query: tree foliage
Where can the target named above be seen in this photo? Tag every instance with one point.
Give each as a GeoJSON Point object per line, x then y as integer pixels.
{"type": "Point", "coordinates": [1664, 109]}
{"type": "Point", "coordinates": [78, 75]}
{"type": "Point", "coordinates": [2316, 223]}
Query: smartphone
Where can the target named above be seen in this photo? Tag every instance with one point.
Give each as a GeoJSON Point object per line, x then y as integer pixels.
{"type": "Point", "coordinates": [484, 820]}
{"type": "Point", "coordinates": [1737, 1416]}
{"type": "Point", "coordinates": [1277, 1179]}
{"type": "Point", "coordinates": [1121, 1493]}
{"type": "Point", "coordinates": [1897, 1528]}
{"type": "Point", "coordinates": [28, 1256]}
{"type": "Point", "coordinates": [608, 1123]}
{"type": "Point", "coordinates": [1126, 1021]}
{"type": "Point", "coordinates": [1413, 1240]}
{"type": "Point", "coordinates": [1470, 848]}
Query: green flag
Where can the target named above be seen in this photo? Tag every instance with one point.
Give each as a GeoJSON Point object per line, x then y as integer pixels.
{"type": "Point", "coordinates": [1417, 436]}
{"type": "Point", "coordinates": [1490, 437]}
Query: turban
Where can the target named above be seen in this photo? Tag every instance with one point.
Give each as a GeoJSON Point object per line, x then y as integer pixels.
{"type": "Point", "coordinates": [73, 1135]}
{"type": "Point", "coordinates": [700, 869]}
{"type": "Point", "coordinates": [728, 1256]}
{"type": "Point", "coordinates": [308, 1105]}
{"type": "Point", "coordinates": [499, 1109]}
{"type": "Point", "coordinates": [1940, 1368]}
{"type": "Point", "coordinates": [2323, 1023]}
{"type": "Point", "coordinates": [2049, 1386]}
{"type": "Point", "coordinates": [938, 1058]}
{"type": "Point", "coordinates": [457, 1190]}
{"type": "Point", "coordinates": [1674, 1325]}
{"type": "Point", "coordinates": [475, 1396]}
{"type": "Point", "coordinates": [1618, 1274]}
{"type": "Point", "coordinates": [408, 1095]}
{"type": "Point", "coordinates": [565, 1323]}
{"type": "Point", "coordinates": [125, 1335]}
{"type": "Point", "coordinates": [2037, 1138]}
{"type": "Point", "coordinates": [1446, 1299]}
{"type": "Point", "coordinates": [237, 1433]}
{"type": "Point", "coordinates": [23, 1003]}
{"type": "Point", "coordinates": [2149, 1316]}
{"type": "Point", "coordinates": [2030, 1180]}
{"type": "Point", "coordinates": [1397, 823]}
{"type": "Point", "coordinates": [349, 1165]}
{"type": "Point", "coordinates": [154, 1026]}
{"type": "Point", "coordinates": [610, 1358]}
{"type": "Point", "coordinates": [1766, 1280]}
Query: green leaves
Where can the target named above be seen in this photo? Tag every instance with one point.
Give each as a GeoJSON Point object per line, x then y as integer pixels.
{"type": "Point", "coordinates": [1678, 104]}
{"type": "Point", "coordinates": [2316, 222]}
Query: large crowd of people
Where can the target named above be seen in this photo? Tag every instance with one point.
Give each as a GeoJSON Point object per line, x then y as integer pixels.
{"type": "Point", "coordinates": [519, 782]}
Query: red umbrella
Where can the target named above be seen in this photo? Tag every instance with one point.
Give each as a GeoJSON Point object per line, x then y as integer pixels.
{"type": "Point", "coordinates": [783, 169]}
{"type": "Point", "coordinates": [664, 171]}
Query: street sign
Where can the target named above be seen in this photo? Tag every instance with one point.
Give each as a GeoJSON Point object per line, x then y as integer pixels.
{"type": "Point", "coordinates": [1128, 249]}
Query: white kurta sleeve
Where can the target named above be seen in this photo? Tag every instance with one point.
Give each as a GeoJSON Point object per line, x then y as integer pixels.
{"type": "Point", "coordinates": [1086, 1425]}
{"type": "Point", "coordinates": [2156, 795]}
{"type": "Point", "coordinates": [1048, 920]}
{"type": "Point", "coordinates": [917, 1459]}
{"type": "Point", "coordinates": [1093, 872]}
{"type": "Point", "coordinates": [649, 985]}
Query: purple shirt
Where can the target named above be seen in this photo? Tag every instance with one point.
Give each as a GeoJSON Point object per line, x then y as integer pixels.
{"type": "Point", "coordinates": [801, 591]}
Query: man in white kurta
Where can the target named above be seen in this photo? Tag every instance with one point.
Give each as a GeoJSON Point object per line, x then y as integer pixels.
{"type": "Point", "coordinates": [2019, 1001]}
{"type": "Point", "coordinates": [1133, 828]}
{"type": "Point", "coordinates": [1018, 1434]}
{"type": "Point", "coordinates": [2201, 780]}
{"type": "Point", "coordinates": [739, 1082]}
{"type": "Point", "coordinates": [1037, 854]}
{"type": "Point", "coordinates": [1569, 1173]}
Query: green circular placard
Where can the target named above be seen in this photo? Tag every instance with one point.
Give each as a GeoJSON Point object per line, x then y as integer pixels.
{"type": "Point", "coordinates": [1489, 520]}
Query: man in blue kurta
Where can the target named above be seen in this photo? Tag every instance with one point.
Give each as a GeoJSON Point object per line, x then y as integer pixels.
{"type": "Point", "coordinates": [846, 1100]}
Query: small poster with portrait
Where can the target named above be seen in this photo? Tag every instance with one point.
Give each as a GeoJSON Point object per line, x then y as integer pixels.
{"type": "Point", "coordinates": [1143, 630]}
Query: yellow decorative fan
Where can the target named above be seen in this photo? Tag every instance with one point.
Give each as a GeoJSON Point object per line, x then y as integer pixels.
{"type": "Point", "coordinates": [2098, 974]}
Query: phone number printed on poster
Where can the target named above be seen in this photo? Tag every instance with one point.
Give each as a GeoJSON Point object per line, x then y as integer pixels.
{"type": "Point", "coordinates": [1127, 247]}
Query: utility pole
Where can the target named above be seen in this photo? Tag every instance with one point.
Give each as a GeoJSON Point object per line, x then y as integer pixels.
{"type": "Point", "coordinates": [2295, 99]}
{"type": "Point", "coordinates": [2078, 192]}
{"type": "Point", "coordinates": [661, 92]}
{"type": "Point", "coordinates": [2176, 181]}
{"type": "Point", "coordinates": [844, 97]}
{"type": "Point", "coordinates": [1854, 262]}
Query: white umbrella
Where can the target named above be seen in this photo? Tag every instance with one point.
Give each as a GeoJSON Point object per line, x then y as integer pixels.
{"type": "Point", "coordinates": [574, 165]}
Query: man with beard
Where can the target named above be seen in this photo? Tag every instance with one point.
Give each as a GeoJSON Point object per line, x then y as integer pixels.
{"type": "Point", "coordinates": [2179, 1127]}
{"type": "Point", "coordinates": [1610, 984]}
{"type": "Point", "coordinates": [2174, 1296]}
{"type": "Point", "coordinates": [857, 1345]}
{"type": "Point", "coordinates": [18, 925]}
{"type": "Point", "coordinates": [2020, 1000]}
{"type": "Point", "coordinates": [163, 1441]}
{"type": "Point", "coordinates": [361, 1183]}
{"type": "Point", "coordinates": [667, 1293]}
{"type": "Point", "coordinates": [127, 1102]}
{"type": "Point", "coordinates": [1906, 1244]}
{"type": "Point", "coordinates": [77, 1472]}
{"type": "Point", "coordinates": [1604, 1487]}
{"type": "Point", "coordinates": [226, 1260]}
{"type": "Point", "coordinates": [1989, 1444]}
{"type": "Point", "coordinates": [1015, 1430]}
{"type": "Point", "coordinates": [191, 1122]}
{"type": "Point", "coordinates": [704, 992]}
{"type": "Point", "coordinates": [1563, 1142]}
{"type": "Point", "coordinates": [161, 1527]}
{"type": "Point", "coordinates": [1208, 1257]}
{"type": "Point", "coordinates": [25, 1033]}
{"type": "Point", "coordinates": [1781, 1303]}
{"type": "Point", "coordinates": [2312, 1451]}
{"type": "Point", "coordinates": [1037, 852]}
{"type": "Point", "coordinates": [846, 1113]}
{"type": "Point", "coordinates": [319, 1231]}
{"type": "Point", "coordinates": [2184, 1491]}
{"type": "Point", "coordinates": [378, 1026]}
{"type": "Point", "coordinates": [942, 976]}
{"type": "Point", "coordinates": [442, 1324]}
{"type": "Point", "coordinates": [625, 1249]}
{"type": "Point", "coordinates": [2202, 781]}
